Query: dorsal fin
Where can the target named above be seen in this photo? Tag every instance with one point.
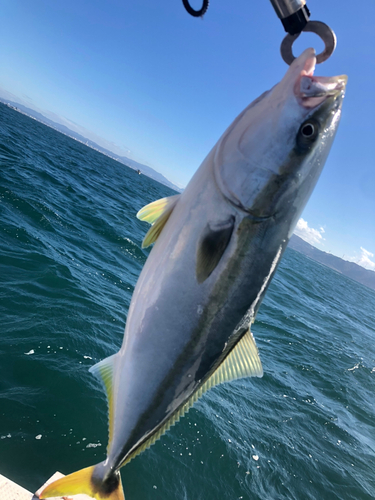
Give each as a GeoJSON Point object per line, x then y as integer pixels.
{"type": "Point", "coordinates": [242, 361]}
{"type": "Point", "coordinates": [104, 372]}
{"type": "Point", "coordinates": [156, 213]}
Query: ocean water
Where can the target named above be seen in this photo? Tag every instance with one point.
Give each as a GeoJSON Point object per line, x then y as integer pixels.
{"type": "Point", "coordinates": [70, 255]}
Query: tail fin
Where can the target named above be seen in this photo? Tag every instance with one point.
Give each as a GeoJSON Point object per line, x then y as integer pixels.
{"type": "Point", "coordinates": [82, 482]}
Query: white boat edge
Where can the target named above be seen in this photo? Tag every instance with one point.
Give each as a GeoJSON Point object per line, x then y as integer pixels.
{"type": "Point", "coordinates": [9, 490]}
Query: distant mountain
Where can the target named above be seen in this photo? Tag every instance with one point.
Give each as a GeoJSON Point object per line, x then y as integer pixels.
{"type": "Point", "coordinates": [350, 269]}
{"type": "Point", "coordinates": [150, 172]}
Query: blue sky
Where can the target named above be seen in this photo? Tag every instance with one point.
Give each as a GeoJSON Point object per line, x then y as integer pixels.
{"type": "Point", "coordinates": [162, 86]}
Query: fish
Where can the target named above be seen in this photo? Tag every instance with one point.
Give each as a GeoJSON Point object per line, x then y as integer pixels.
{"type": "Point", "coordinates": [216, 248]}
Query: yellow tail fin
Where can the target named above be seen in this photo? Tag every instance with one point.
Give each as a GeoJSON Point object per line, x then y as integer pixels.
{"type": "Point", "coordinates": [81, 482]}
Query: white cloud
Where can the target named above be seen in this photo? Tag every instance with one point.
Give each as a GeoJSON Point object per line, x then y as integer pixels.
{"type": "Point", "coordinates": [309, 234]}
{"type": "Point", "coordinates": [313, 236]}
{"type": "Point", "coordinates": [364, 259]}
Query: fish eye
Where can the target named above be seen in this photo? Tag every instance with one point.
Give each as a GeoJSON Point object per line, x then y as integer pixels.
{"type": "Point", "coordinates": [308, 132]}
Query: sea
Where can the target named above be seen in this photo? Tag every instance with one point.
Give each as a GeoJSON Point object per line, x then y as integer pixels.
{"type": "Point", "coordinates": [70, 256]}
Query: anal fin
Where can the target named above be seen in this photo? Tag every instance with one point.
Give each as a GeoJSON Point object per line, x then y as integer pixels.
{"type": "Point", "coordinates": [242, 361]}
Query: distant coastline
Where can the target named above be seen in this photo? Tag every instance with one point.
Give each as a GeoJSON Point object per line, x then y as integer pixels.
{"type": "Point", "coordinates": [349, 269]}
{"type": "Point", "coordinates": [35, 115]}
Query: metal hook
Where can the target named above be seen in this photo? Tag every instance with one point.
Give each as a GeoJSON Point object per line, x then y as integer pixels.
{"type": "Point", "coordinates": [196, 13]}
{"type": "Point", "coordinates": [320, 29]}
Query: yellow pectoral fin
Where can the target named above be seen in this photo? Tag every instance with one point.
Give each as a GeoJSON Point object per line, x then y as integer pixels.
{"type": "Point", "coordinates": [153, 211]}
{"type": "Point", "coordinates": [81, 482]}
{"type": "Point", "coordinates": [157, 214]}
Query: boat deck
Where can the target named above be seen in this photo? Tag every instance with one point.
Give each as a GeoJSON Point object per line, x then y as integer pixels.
{"type": "Point", "coordinates": [12, 491]}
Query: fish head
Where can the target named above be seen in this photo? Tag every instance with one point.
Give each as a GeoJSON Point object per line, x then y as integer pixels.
{"type": "Point", "coordinates": [271, 156]}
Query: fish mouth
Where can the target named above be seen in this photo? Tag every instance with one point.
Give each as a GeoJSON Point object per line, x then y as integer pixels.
{"type": "Point", "coordinates": [312, 90]}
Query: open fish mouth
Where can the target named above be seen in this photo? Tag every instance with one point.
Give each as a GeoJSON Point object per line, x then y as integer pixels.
{"type": "Point", "coordinates": [312, 90]}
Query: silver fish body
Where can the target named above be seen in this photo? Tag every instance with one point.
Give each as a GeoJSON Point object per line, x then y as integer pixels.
{"type": "Point", "coordinates": [214, 258]}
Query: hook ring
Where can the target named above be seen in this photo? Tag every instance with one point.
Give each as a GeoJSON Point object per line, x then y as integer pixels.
{"type": "Point", "coordinates": [320, 29]}
{"type": "Point", "coordinates": [193, 12]}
